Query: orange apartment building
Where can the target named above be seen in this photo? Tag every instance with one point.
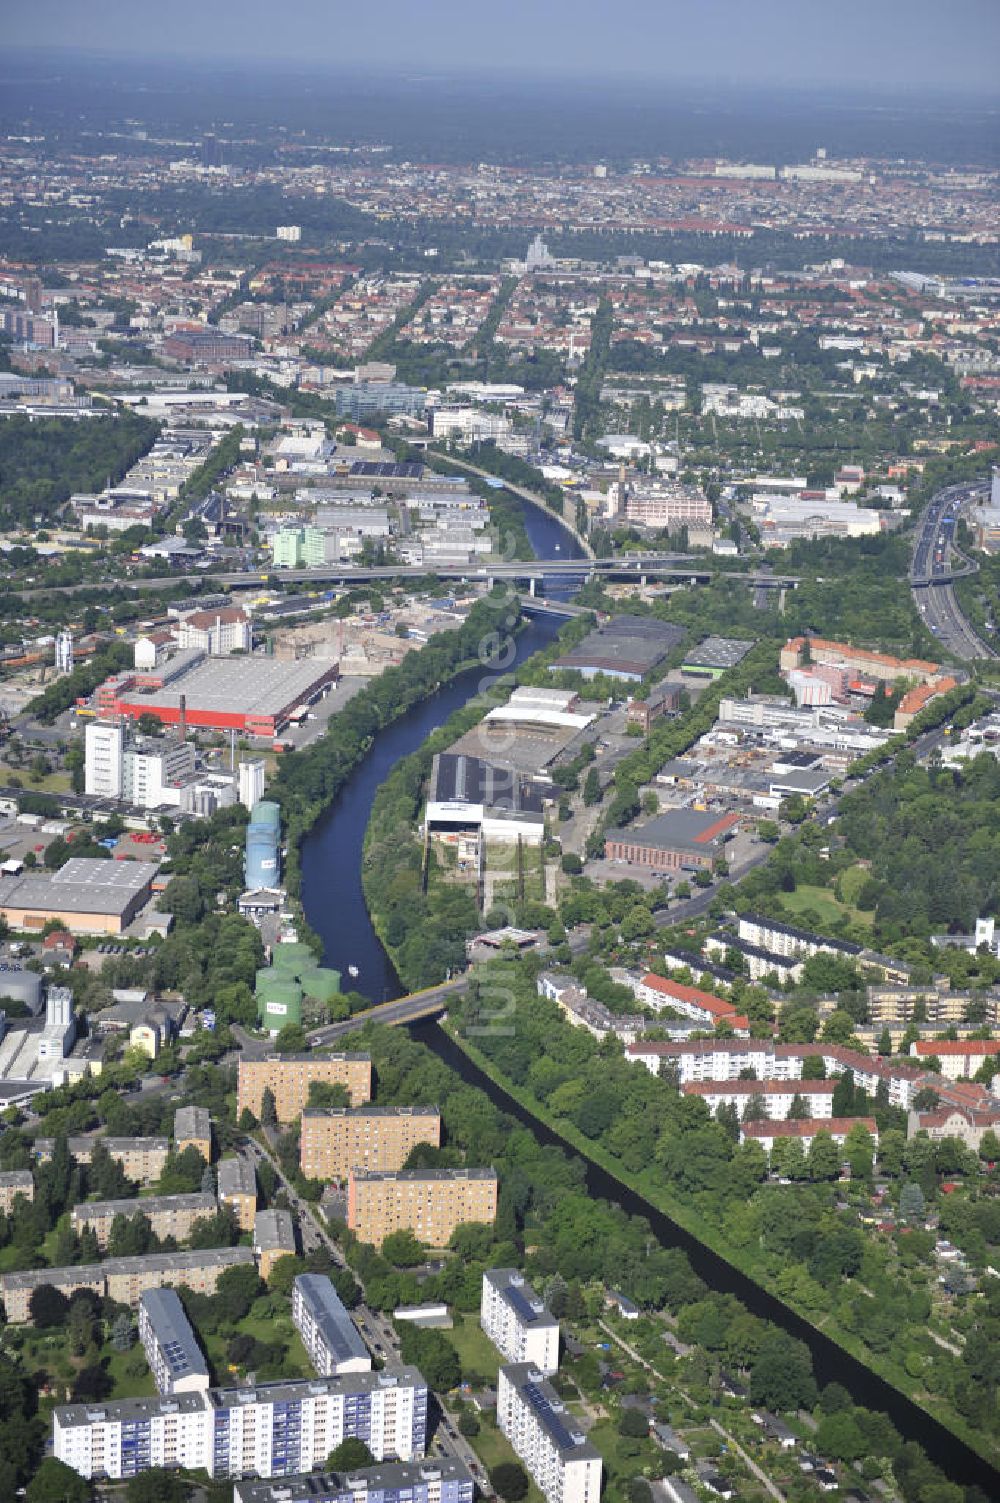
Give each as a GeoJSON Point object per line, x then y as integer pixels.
{"type": "Point", "coordinates": [337, 1139]}
{"type": "Point", "coordinates": [430, 1203]}
{"type": "Point", "coordinates": [290, 1075]}
{"type": "Point", "coordinates": [193, 1129]}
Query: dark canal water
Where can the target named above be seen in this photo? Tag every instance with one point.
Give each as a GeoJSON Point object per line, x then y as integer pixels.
{"type": "Point", "coordinates": [335, 907]}
{"type": "Point", "coordinates": [331, 855]}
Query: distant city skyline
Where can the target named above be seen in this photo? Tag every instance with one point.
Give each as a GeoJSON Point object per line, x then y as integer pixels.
{"type": "Point", "coordinates": [893, 44]}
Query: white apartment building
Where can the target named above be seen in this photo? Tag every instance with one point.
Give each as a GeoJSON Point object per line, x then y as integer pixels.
{"type": "Point", "coordinates": [273, 1430]}
{"type": "Point", "coordinates": [566, 1467]}
{"type": "Point", "coordinates": [328, 1333]}
{"type": "Point", "coordinates": [169, 1342]}
{"type": "Point", "coordinates": [778, 1096]}
{"type": "Point", "coordinates": [516, 1320]}
{"type": "Point", "coordinates": [104, 746]}
{"type": "Point", "coordinates": [720, 1061]}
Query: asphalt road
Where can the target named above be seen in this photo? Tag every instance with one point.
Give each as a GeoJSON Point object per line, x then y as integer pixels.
{"type": "Point", "coordinates": [935, 565]}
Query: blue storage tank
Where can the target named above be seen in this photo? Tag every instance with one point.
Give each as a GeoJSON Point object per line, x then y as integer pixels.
{"type": "Point", "coordinates": [262, 865]}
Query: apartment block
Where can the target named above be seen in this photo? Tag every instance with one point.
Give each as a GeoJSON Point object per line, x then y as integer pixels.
{"type": "Point", "coordinates": [777, 1096]}
{"type": "Point", "coordinates": [172, 1351]}
{"type": "Point", "coordinates": [273, 1238]}
{"type": "Point", "coordinates": [289, 1076]}
{"type": "Point", "coordinates": [715, 1061]}
{"type": "Point", "coordinates": [430, 1203]}
{"type": "Point", "coordinates": [273, 1430]}
{"type": "Point", "coordinates": [338, 1139]}
{"type": "Point", "coordinates": [439, 1481]}
{"type": "Point", "coordinates": [328, 1333]}
{"type": "Point", "coordinates": [169, 1215]}
{"type": "Point", "coordinates": [142, 1159]}
{"type": "Point", "coordinates": [546, 1437]}
{"type": "Point", "coordinates": [124, 1280]}
{"type": "Point", "coordinates": [237, 1189]}
{"type": "Point", "coordinates": [516, 1320]}
{"type": "Point", "coordinates": [805, 1129]}
{"type": "Point", "coordinates": [13, 1183]}
{"type": "Point", "coordinates": [959, 1058]}
{"type": "Point", "coordinates": [193, 1129]}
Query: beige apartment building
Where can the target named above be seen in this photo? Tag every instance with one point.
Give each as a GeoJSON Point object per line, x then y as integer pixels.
{"type": "Point", "coordinates": [273, 1238]}
{"type": "Point", "coordinates": [15, 1182]}
{"type": "Point", "coordinates": [337, 1139]}
{"type": "Point", "coordinates": [237, 1188]}
{"type": "Point", "coordinates": [142, 1159]}
{"type": "Point", "coordinates": [169, 1215]}
{"type": "Point", "coordinates": [124, 1280]}
{"type": "Point", "coordinates": [430, 1203]}
{"type": "Point", "coordinates": [193, 1129]}
{"type": "Point", "coordinates": [290, 1075]}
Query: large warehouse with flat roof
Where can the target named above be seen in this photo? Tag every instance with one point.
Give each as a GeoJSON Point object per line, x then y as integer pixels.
{"type": "Point", "coordinates": [680, 840]}
{"type": "Point", "coordinates": [252, 694]}
{"type": "Point", "coordinates": [87, 895]}
{"type": "Point", "coordinates": [627, 648]}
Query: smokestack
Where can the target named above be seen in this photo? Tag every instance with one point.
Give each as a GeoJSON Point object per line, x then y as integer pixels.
{"type": "Point", "coordinates": [182, 719]}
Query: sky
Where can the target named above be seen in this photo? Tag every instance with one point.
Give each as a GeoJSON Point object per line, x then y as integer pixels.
{"type": "Point", "coordinates": [891, 44]}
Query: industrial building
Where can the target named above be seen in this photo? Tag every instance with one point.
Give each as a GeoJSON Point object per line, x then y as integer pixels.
{"type": "Point", "coordinates": [442, 1480]}
{"type": "Point", "coordinates": [124, 1280]}
{"type": "Point", "coordinates": [255, 695]}
{"type": "Point", "coordinates": [288, 1077]}
{"type": "Point", "coordinates": [334, 1140]}
{"type": "Point", "coordinates": [625, 648]}
{"type": "Point", "coordinates": [172, 1351]}
{"type": "Point", "coordinates": [678, 841]}
{"type": "Point", "coordinates": [546, 1437]}
{"type": "Point", "coordinates": [470, 796]}
{"type": "Point", "coordinates": [715, 656]}
{"type": "Point", "coordinates": [86, 896]}
{"type": "Point", "coordinates": [168, 1215]}
{"type": "Point", "coordinates": [328, 1333]}
{"type": "Point", "coordinates": [430, 1203]}
{"type": "Point", "coordinates": [516, 1320]}
{"type": "Point", "coordinates": [273, 1430]}
{"type": "Point", "coordinates": [236, 1187]}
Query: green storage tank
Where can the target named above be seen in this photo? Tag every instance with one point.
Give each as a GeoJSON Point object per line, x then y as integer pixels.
{"type": "Point", "coordinates": [291, 959]}
{"type": "Point", "coordinates": [279, 1002]}
{"type": "Point", "coordinates": [321, 984]}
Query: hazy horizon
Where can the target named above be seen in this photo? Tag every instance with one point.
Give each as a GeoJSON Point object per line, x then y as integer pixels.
{"type": "Point", "coordinates": [901, 46]}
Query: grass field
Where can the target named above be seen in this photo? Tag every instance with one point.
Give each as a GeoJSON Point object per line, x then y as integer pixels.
{"type": "Point", "coordinates": [477, 1354]}
{"type": "Point", "coordinates": [824, 903]}
{"type": "Point", "coordinates": [52, 782]}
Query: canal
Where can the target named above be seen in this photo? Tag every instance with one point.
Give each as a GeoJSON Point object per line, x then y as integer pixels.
{"type": "Point", "coordinates": [332, 895]}
{"type": "Point", "coordinates": [335, 908]}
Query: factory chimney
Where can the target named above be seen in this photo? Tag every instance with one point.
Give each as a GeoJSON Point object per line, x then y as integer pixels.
{"type": "Point", "coordinates": [182, 719]}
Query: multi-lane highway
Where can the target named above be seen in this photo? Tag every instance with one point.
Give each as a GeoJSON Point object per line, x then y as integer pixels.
{"type": "Point", "coordinates": [935, 566]}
